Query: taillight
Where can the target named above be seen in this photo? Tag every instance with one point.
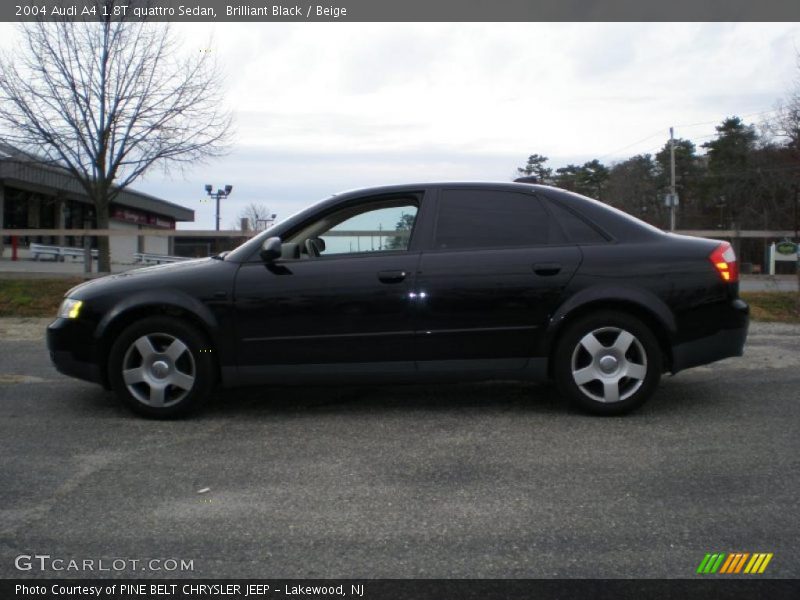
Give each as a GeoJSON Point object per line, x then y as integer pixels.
{"type": "Point", "coordinates": [724, 260]}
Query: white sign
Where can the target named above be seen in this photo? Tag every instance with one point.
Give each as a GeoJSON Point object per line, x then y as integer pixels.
{"type": "Point", "coordinates": [778, 252]}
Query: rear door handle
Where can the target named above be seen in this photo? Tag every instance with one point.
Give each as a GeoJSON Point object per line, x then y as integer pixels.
{"type": "Point", "coordinates": [391, 276]}
{"type": "Point", "coordinates": [547, 269]}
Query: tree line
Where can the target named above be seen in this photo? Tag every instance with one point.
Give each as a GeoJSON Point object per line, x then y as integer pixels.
{"type": "Point", "coordinates": [746, 177]}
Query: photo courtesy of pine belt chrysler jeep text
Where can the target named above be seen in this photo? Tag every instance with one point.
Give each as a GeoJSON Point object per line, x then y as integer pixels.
{"type": "Point", "coordinates": [426, 282]}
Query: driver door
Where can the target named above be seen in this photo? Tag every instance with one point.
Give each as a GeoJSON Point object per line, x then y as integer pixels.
{"type": "Point", "coordinates": [344, 305]}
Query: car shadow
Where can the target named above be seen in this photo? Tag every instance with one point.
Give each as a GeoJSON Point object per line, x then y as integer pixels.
{"type": "Point", "coordinates": [673, 396]}
{"type": "Point", "coordinates": [678, 396]}
{"type": "Point", "coordinates": [473, 397]}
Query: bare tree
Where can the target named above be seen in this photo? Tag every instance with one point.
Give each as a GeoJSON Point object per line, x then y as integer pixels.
{"type": "Point", "coordinates": [256, 214]}
{"type": "Point", "coordinates": [785, 123]}
{"type": "Point", "coordinates": [108, 100]}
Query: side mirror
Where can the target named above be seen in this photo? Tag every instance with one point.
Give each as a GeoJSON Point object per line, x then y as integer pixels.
{"type": "Point", "coordinates": [271, 249]}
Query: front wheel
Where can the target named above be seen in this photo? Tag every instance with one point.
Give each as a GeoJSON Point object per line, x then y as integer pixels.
{"type": "Point", "coordinates": [161, 368]}
{"type": "Point", "coordinates": [608, 363]}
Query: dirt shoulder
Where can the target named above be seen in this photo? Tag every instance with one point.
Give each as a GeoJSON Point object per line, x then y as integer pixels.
{"type": "Point", "coordinates": [22, 329]}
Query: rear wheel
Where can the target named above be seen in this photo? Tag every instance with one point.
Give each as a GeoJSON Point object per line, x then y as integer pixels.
{"type": "Point", "coordinates": [608, 363]}
{"type": "Point", "coordinates": [161, 368]}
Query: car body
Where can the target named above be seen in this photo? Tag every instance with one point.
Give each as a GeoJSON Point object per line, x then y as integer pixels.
{"type": "Point", "coordinates": [432, 281]}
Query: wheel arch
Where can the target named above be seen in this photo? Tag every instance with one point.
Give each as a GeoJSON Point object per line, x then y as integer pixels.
{"type": "Point", "coordinates": [645, 306]}
{"type": "Point", "coordinates": [141, 307]}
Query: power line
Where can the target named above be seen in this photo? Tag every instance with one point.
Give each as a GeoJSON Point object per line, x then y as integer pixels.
{"type": "Point", "coordinates": [659, 132]}
{"type": "Point", "coordinates": [763, 112]}
{"type": "Point", "coordinates": [685, 126]}
{"type": "Point", "coordinates": [661, 147]}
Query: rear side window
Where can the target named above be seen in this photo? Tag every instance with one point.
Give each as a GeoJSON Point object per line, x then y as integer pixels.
{"type": "Point", "coordinates": [487, 218]}
{"type": "Point", "coordinates": [578, 231]}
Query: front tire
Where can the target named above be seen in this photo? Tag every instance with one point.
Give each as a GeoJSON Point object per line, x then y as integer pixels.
{"type": "Point", "coordinates": [608, 363]}
{"type": "Point", "coordinates": [162, 368]}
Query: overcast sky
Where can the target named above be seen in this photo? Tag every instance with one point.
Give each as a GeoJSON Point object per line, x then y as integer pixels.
{"type": "Point", "coordinates": [323, 107]}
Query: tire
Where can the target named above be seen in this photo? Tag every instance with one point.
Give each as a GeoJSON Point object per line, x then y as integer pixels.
{"type": "Point", "coordinates": [607, 363]}
{"type": "Point", "coordinates": [170, 368]}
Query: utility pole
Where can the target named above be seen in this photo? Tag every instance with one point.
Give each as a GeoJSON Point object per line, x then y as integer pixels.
{"type": "Point", "coordinates": [673, 198]}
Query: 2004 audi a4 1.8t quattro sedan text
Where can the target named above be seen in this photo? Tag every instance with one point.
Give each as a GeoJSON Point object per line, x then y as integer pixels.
{"type": "Point", "coordinates": [416, 283]}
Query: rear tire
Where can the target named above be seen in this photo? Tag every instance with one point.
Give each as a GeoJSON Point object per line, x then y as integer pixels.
{"type": "Point", "coordinates": [162, 368]}
{"type": "Point", "coordinates": [607, 363]}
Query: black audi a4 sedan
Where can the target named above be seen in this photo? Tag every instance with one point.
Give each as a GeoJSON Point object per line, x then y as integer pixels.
{"type": "Point", "coordinates": [428, 282]}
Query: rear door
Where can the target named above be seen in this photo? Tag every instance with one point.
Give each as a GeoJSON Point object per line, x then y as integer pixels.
{"type": "Point", "coordinates": [493, 271]}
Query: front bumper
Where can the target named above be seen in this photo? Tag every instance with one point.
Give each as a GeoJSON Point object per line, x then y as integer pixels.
{"type": "Point", "coordinates": [725, 343]}
{"type": "Point", "coordinates": [72, 349]}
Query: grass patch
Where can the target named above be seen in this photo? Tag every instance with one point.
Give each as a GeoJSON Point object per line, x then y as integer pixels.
{"type": "Point", "coordinates": [41, 297]}
{"type": "Point", "coordinates": [783, 307]}
{"type": "Point", "coordinates": [33, 297]}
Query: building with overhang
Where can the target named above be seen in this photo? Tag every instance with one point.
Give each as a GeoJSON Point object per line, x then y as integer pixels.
{"type": "Point", "coordinates": [38, 195]}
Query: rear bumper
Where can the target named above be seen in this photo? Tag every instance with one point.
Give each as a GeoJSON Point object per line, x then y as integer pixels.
{"type": "Point", "coordinates": [725, 343]}
{"type": "Point", "coordinates": [72, 349]}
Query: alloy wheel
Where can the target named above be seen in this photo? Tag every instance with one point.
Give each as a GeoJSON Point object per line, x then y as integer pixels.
{"type": "Point", "coordinates": [159, 370]}
{"type": "Point", "coordinates": [609, 364]}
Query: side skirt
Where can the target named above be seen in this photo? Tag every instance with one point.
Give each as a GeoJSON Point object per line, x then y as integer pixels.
{"type": "Point", "coordinates": [534, 369]}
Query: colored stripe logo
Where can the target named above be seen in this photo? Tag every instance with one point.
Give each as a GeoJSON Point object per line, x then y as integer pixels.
{"type": "Point", "coordinates": [734, 563]}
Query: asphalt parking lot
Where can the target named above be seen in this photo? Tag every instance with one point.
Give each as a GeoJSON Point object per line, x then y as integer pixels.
{"type": "Point", "coordinates": [479, 480]}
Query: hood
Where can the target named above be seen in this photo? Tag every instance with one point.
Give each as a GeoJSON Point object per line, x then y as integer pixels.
{"type": "Point", "coordinates": [158, 276]}
{"type": "Point", "coordinates": [164, 269]}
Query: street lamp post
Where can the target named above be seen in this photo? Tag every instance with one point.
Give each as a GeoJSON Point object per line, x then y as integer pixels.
{"type": "Point", "coordinates": [220, 193]}
{"type": "Point", "coordinates": [263, 224]}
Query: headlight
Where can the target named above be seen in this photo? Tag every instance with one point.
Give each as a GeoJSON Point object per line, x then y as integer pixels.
{"type": "Point", "coordinates": [70, 308]}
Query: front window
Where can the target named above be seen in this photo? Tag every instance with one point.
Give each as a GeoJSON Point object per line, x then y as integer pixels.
{"type": "Point", "coordinates": [381, 226]}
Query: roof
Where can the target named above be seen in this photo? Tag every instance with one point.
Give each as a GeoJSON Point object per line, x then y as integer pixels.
{"type": "Point", "coordinates": [30, 172]}
{"type": "Point", "coordinates": [411, 187]}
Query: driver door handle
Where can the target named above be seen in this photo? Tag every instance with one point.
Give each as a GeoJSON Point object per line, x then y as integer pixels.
{"type": "Point", "coordinates": [547, 269]}
{"type": "Point", "coordinates": [391, 276]}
